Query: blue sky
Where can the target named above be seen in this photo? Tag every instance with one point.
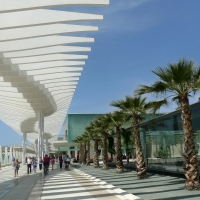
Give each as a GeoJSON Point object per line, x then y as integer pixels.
{"type": "Point", "coordinates": [135, 37]}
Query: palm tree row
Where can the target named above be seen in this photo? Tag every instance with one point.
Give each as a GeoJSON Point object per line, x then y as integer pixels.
{"type": "Point", "coordinates": [176, 83]}
{"type": "Point", "coordinates": [111, 124]}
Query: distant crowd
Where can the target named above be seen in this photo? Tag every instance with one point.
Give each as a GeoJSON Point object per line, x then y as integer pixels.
{"type": "Point", "coordinates": [41, 163]}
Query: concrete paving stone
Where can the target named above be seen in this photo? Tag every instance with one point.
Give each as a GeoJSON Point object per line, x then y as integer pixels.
{"type": "Point", "coordinates": [87, 182]}
{"type": "Point", "coordinates": [156, 186]}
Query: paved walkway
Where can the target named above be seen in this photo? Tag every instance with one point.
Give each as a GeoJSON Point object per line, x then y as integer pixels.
{"type": "Point", "coordinates": [86, 182]}
{"type": "Point", "coordinates": [154, 187]}
{"type": "Point", "coordinates": [59, 184]}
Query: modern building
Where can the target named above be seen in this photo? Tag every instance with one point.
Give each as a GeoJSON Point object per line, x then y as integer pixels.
{"type": "Point", "coordinates": [163, 138]}
{"type": "Point", "coordinates": [74, 126]}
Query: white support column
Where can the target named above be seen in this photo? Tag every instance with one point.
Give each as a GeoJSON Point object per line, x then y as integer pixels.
{"type": "Point", "coordinates": [24, 149]}
{"type": "Point", "coordinates": [20, 156]}
{"type": "Point", "coordinates": [42, 126]}
{"type": "Point", "coordinates": [40, 134]}
{"type": "Point", "coordinates": [1, 163]}
{"type": "Point", "coordinates": [6, 156]}
{"type": "Point", "coordinates": [17, 155]}
{"type": "Point", "coordinates": [47, 147]}
{"type": "Point", "coordinates": [11, 155]}
{"type": "Point", "coordinates": [14, 153]}
{"type": "Point", "coordinates": [76, 153]}
{"type": "Point", "coordinates": [36, 148]}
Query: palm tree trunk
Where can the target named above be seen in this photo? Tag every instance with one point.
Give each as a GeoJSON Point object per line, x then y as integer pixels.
{"type": "Point", "coordinates": [81, 154]}
{"type": "Point", "coordinates": [132, 153]}
{"type": "Point", "coordinates": [111, 157]}
{"type": "Point", "coordinates": [105, 150]}
{"type": "Point", "coordinates": [119, 163]}
{"type": "Point", "coordinates": [141, 166]}
{"type": "Point", "coordinates": [191, 168]}
{"type": "Point", "coordinates": [88, 154]}
{"type": "Point", "coordinates": [96, 154]}
{"type": "Point", "coordinates": [84, 153]}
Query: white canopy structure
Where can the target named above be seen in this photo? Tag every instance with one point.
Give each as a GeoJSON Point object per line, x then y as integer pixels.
{"type": "Point", "coordinates": [39, 64]}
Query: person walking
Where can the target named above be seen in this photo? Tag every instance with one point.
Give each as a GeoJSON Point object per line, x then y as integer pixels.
{"type": "Point", "coordinates": [40, 163]}
{"type": "Point", "coordinates": [29, 162]}
{"type": "Point", "coordinates": [61, 161]}
{"type": "Point", "coordinates": [34, 166]}
{"type": "Point", "coordinates": [52, 162]}
{"type": "Point", "coordinates": [16, 166]}
{"type": "Point", "coordinates": [13, 160]}
{"type": "Point", "coordinates": [67, 161]}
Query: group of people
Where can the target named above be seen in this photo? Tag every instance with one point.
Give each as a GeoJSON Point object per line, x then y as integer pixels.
{"type": "Point", "coordinates": [31, 162]}
{"type": "Point", "coordinates": [42, 162]}
{"type": "Point", "coordinates": [66, 159]}
{"type": "Point", "coordinates": [45, 162]}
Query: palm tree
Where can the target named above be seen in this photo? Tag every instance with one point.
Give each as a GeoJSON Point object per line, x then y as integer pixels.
{"type": "Point", "coordinates": [128, 140]}
{"type": "Point", "coordinates": [136, 107]}
{"type": "Point", "coordinates": [94, 135]}
{"type": "Point", "coordinates": [178, 82]}
{"type": "Point", "coordinates": [86, 136]}
{"type": "Point", "coordinates": [81, 154]}
{"type": "Point", "coordinates": [102, 126]}
{"type": "Point", "coordinates": [111, 146]}
{"type": "Point", "coordinates": [82, 141]}
{"type": "Point", "coordinates": [117, 119]}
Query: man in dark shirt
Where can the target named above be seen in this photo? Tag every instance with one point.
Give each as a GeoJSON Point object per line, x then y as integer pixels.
{"type": "Point", "coordinates": [46, 161]}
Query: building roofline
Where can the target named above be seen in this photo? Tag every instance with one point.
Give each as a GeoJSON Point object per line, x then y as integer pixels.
{"type": "Point", "coordinates": [168, 114]}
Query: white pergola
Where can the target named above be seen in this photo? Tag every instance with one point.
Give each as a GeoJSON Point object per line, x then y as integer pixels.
{"type": "Point", "coordinates": [39, 64]}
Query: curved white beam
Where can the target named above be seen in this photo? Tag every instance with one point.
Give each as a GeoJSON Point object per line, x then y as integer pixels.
{"type": "Point", "coordinates": [45, 51]}
{"type": "Point", "coordinates": [46, 30]}
{"type": "Point", "coordinates": [34, 43]}
{"type": "Point", "coordinates": [42, 17]}
{"type": "Point", "coordinates": [46, 58]}
{"type": "Point", "coordinates": [36, 73]}
{"type": "Point", "coordinates": [18, 5]}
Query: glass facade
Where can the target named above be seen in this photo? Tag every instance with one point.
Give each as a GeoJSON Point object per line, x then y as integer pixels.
{"type": "Point", "coordinates": [77, 123]}
{"type": "Point", "coordinates": [163, 140]}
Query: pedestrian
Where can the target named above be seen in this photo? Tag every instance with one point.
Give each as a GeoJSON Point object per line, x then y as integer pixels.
{"type": "Point", "coordinates": [40, 163]}
{"type": "Point", "coordinates": [13, 160]}
{"type": "Point", "coordinates": [52, 162]}
{"type": "Point", "coordinates": [29, 162]}
{"type": "Point", "coordinates": [34, 166]}
{"type": "Point", "coordinates": [67, 160]}
{"type": "Point", "coordinates": [16, 166]}
{"type": "Point", "coordinates": [61, 162]}
{"type": "Point", "coordinates": [46, 163]}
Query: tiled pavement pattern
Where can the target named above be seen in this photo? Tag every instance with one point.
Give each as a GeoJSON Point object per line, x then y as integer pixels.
{"type": "Point", "coordinates": [73, 185]}
{"type": "Point", "coordinates": [154, 187]}
{"type": "Point", "coordinates": [59, 184]}
{"type": "Point", "coordinates": [86, 182]}
{"type": "Point", "coordinates": [16, 188]}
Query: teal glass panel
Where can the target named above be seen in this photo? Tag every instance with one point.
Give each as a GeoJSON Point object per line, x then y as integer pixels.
{"type": "Point", "coordinates": [77, 124]}
{"type": "Point", "coordinates": [68, 148]}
